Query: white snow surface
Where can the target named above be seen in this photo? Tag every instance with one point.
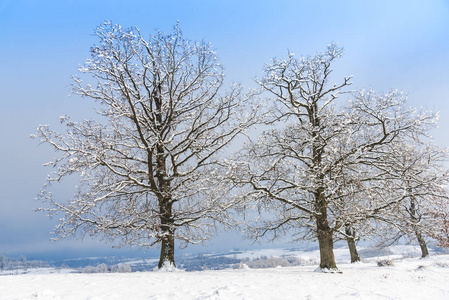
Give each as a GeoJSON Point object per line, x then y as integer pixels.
{"type": "Point", "coordinates": [409, 278]}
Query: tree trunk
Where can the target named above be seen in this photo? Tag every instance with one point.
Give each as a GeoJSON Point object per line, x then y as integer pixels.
{"type": "Point", "coordinates": [165, 204]}
{"type": "Point", "coordinates": [167, 251]}
{"type": "Point", "coordinates": [422, 243]}
{"type": "Point", "coordinates": [350, 239]}
{"type": "Point", "coordinates": [324, 232]}
{"type": "Point", "coordinates": [326, 243]}
{"type": "Point", "coordinates": [168, 236]}
{"type": "Point", "coordinates": [413, 214]}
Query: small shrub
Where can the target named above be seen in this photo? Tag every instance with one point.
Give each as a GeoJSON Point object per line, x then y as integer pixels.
{"type": "Point", "coordinates": [264, 262]}
{"type": "Point", "coordinates": [442, 264]}
{"type": "Point", "coordinates": [385, 263]}
{"type": "Point", "coordinates": [121, 268]}
{"type": "Point", "coordinates": [101, 268]}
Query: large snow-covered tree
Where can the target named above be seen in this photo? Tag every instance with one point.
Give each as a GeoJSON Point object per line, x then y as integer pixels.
{"type": "Point", "coordinates": [147, 164]}
{"type": "Point", "coordinates": [314, 172]}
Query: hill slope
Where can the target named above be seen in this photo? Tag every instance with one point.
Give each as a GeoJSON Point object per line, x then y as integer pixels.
{"type": "Point", "coordinates": [407, 278]}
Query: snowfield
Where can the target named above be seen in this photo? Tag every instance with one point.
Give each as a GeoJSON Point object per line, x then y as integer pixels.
{"type": "Point", "coordinates": [408, 278]}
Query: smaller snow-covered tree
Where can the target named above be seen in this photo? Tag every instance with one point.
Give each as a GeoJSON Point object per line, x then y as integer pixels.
{"type": "Point", "coordinates": [418, 176]}
{"type": "Point", "coordinates": [312, 171]}
{"type": "Point", "coordinates": [441, 232]}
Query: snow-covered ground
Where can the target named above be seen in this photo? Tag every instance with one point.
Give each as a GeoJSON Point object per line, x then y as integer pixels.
{"type": "Point", "coordinates": [408, 278]}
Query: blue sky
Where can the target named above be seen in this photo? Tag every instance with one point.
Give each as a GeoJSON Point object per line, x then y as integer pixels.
{"type": "Point", "coordinates": [388, 44]}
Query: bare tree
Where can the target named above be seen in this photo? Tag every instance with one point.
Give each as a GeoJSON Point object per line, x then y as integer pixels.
{"type": "Point", "coordinates": [147, 165]}
{"type": "Point", "coordinates": [310, 175]}
{"type": "Point", "coordinates": [417, 174]}
{"type": "Point", "coordinates": [441, 232]}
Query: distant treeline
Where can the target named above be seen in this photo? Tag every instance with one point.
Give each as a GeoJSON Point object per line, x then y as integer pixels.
{"type": "Point", "coordinates": [11, 263]}
{"type": "Point", "coordinates": [103, 268]}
